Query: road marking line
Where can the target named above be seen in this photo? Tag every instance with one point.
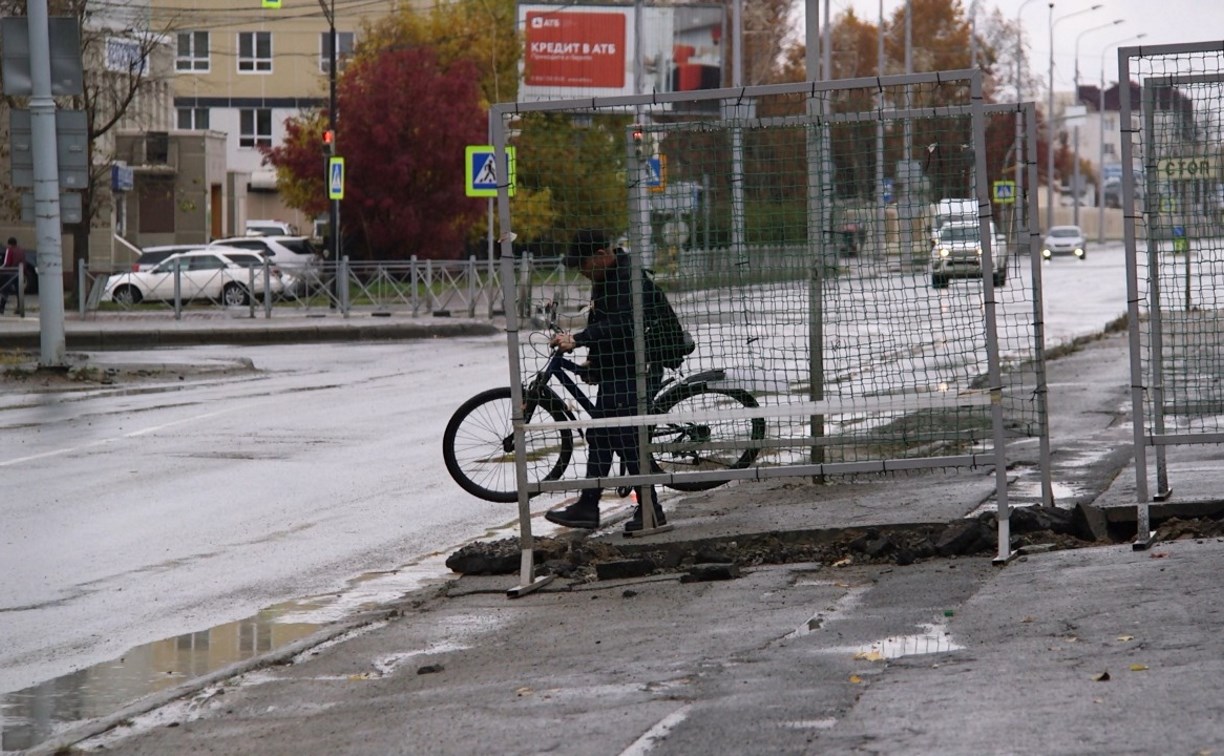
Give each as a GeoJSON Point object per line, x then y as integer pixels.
{"type": "Point", "coordinates": [104, 441]}
{"type": "Point", "coordinates": [646, 743]}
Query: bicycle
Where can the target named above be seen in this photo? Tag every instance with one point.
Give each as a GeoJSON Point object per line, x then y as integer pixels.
{"type": "Point", "coordinates": [478, 443]}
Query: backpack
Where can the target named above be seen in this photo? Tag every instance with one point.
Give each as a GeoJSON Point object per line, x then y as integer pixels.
{"type": "Point", "coordinates": [667, 343]}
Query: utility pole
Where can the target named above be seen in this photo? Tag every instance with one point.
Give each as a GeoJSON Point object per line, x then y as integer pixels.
{"type": "Point", "coordinates": [49, 250]}
{"type": "Point", "coordinates": [333, 214]}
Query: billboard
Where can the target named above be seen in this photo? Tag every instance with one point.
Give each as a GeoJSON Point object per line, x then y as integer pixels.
{"type": "Point", "coordinates": [591, 50]}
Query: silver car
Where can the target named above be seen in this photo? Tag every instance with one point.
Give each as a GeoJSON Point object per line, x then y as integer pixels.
{"type": "Point", "coordinates": [1064, 240]}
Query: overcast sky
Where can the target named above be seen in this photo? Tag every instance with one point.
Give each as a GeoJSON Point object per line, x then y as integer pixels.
{"type": "Point", "coordinates": [1164, 22]}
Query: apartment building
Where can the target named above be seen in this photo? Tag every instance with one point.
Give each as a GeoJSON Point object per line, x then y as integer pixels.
{"type": "Point", "coordinates": [241, 70]}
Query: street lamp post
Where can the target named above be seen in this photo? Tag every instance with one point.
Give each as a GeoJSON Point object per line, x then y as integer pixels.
{"type": "Point", "coordinates": [1075, 182]}
{"type": "Point", "coordinates": [333, 215]}
{"type": "Point", "coordinates": [1101, 140]}
{"type": "Point", "coordinates": [1050, 113]}
{"type": "Point", "coordinates": [1020, 208]}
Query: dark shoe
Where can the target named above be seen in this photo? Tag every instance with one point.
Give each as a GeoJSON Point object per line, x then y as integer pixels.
{"type": "Point", "coordinates": [635, 523]}
{"type": "Point", "coordinates": [577, 515]}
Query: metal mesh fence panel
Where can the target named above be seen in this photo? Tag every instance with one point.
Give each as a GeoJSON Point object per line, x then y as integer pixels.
{"type": "Point", "coordinates": [857, 306]}
{"type": "Point", "coordinates": [1172, 159]}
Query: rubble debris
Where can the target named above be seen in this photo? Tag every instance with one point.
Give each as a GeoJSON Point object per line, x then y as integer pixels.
{"type": "Point", "coordinates": [585, 559]}
{"type": "Point", "coordinates": [699, 573]}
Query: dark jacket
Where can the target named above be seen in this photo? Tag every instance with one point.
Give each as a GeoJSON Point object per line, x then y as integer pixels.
{"type": "Point", "coordinates": [609, 331]}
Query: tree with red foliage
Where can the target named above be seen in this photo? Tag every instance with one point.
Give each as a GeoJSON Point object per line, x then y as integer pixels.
{"type": "Point", "coordinates": [404, 122]}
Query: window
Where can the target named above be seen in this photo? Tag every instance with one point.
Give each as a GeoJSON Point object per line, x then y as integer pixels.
{"type": "Point", "coordinates": [255, 128]}
{"type": "Point", "coordinates": [192, 51]}
{"type": "Point", "coordinates": [207, 262]}
{"type": "Point", "coordinates": [1108, 148]}
{"type": "Point", "coordinates": [193, 119]}
{"type": "Point", "coordinates": [255, 52]}
{"type": "Point", "coordinates": [344, 48]}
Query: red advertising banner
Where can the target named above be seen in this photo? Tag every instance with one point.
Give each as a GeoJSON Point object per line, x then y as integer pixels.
{"type": "Point", "coordinates": [575, 49]}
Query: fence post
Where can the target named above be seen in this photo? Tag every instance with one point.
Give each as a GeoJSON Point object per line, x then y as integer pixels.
{"type": "Point", "coordinates": [429, 286]}
{"type": "Point", "coordinates": [267, 297]}
{"type": "Point", "coordinates": [416, 297]}
{"type": "Point", "coordinates": [251, 291]}
{"type": "Point", "coordinates": [524, 298]}
{"type": "Point", "coordinates": [178, 293]}
{"type": "Point", "coordinates": [82, 280]}
{"type": "Point", "coordinates": [342, 285]}
{"type": "Point", "coordinates": [21, 286]}
{"type": "Point", "coordinates": [471, 285]}
{"type": "Point", "coordinates": [489, 285]}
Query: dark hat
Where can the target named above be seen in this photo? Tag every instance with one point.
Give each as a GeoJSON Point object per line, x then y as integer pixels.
{"type": "Point", "coordinates": [586, 243]}
{"type": "Point", "coordinates": [12, 241]}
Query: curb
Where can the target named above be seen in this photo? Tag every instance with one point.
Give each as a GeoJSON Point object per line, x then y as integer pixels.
{"type": "Point", "coordinates": [93, 337]}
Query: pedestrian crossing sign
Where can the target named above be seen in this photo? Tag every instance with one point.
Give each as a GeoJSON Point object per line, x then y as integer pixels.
{"type": "Point", "coordinates": [1005, 192]}
{"type": "Point", "coordinates": [482, 175]}
{"type": "Point", "coordinates": [335, 178]}
{"type": "Point", "coordinates": [656, 167]}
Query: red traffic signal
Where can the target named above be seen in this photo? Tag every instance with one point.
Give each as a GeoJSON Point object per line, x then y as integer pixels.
{"type": "Point", "coordinates": [329, 137]}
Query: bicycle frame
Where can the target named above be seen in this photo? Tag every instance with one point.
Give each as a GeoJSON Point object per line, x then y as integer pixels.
{"type": "Point", "coordinates": [560, 367]}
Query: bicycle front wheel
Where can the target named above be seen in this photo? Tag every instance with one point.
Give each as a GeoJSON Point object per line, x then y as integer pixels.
{"type": "Point", "coordinates": [478, 444]}
{"type": "Point", "coordinates": [706, 440]}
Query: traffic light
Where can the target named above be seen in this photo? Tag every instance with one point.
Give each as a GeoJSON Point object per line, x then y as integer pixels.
{"type": "Point", "coordinates": [329, 141]}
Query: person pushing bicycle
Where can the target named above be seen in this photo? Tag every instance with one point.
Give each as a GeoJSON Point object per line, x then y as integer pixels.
{"type": "Point", "coordinates": [612, 366]}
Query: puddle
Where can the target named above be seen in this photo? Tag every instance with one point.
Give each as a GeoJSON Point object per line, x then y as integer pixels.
{"type": "Point", "coordinates": [1032, 489]}
{"type": "Point", "coordinates": [33, 715]}
{"type": "Point", "coordinates": [848, 601]}
{"type": "Point", "coordinates": [30, 716]}
{"type": "Point", "coordinates": [934, 639]}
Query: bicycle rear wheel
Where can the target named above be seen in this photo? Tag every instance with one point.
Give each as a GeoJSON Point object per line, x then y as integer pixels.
{"type": "Point", "coordinates": [708, 442]}
{"type": "Point", "coordinates": [478, 444]}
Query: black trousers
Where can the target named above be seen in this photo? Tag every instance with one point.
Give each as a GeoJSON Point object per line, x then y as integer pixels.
{"type": "Point", "coordinates": [615, 399]}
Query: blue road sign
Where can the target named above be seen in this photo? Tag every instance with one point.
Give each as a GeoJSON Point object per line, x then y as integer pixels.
{"type": "Point", "coordinates": [654, 167]}
{"type": "Point", "coordinates": [335, 178]}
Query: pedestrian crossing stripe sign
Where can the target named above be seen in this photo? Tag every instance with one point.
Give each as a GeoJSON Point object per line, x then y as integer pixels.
{"type": "Point", "coordinates": [481, 174]}
{"type": "Point", "coordinates": [335, 178]}
{"type": "Point", "coordinates": [272, 3]}
{"type": "Point", "coordinates": [1004, 192]}
{"type": "Point", "coordinates": [657, 168]}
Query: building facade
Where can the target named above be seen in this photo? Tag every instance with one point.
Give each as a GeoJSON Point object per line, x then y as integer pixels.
{"type": "Point", "coordinates": [243, 72]}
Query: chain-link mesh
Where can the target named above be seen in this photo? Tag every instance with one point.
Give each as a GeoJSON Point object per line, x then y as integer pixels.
{"type": "Point", "coordinates": [846, 295]}
{"type": "Point", "coordinates": [1173, 167]}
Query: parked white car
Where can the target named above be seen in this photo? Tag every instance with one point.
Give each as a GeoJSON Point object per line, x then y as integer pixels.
{"type": "Point", "coordinates": [217, 274]}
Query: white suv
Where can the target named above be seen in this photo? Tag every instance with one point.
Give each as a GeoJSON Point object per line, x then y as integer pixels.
{"type": "Point", "coordinates": [957, 253]}
{"type": "Point", "coordinates": [293, 254]}
{"type": "Point", "coordinates": [269, 228]}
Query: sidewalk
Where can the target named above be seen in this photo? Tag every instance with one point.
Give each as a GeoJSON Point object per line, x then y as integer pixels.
{"type": "Point", "coordinates": [1095, 650]}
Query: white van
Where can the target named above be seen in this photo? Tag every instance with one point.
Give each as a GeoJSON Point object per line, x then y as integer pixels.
{"type": "Point", "coordinates": [961, 210]}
